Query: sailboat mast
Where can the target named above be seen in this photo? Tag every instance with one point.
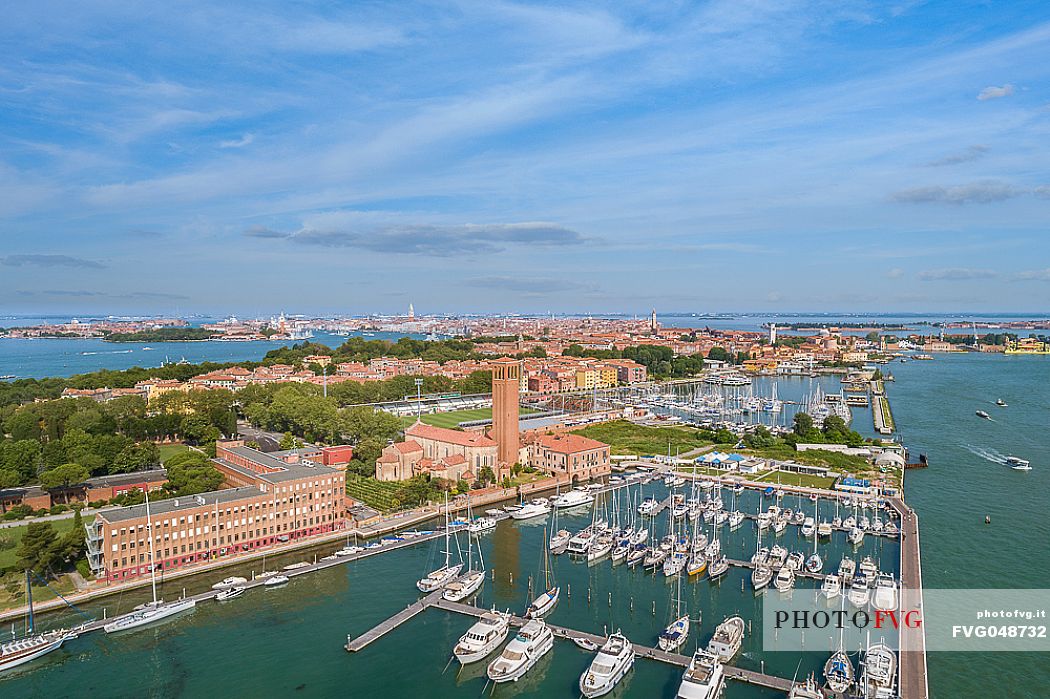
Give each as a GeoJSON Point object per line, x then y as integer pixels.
{"type": "Point", "coordinates": [152, 563]}
{"type": "Point", "coordinates": [29, 601]}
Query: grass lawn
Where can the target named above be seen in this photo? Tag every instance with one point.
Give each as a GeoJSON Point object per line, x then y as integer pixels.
{"type": "Point", "coordinates": [452, 419]}
{"type": "Point", "coordinates": [816, 457]}
{"type": "Point", "coordinates": [8, 554]}
{"type": "Point", "coordinates": [169, 450]}
{"type": "Point", "coordinates": [625, 437]}
{"type": "Point", "coordinates": [16, 583]}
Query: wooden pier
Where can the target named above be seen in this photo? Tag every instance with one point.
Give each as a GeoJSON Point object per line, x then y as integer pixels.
{"type": "Point", "coordinates": [914, 683]}
{"type": "Point", "coordinates": [731, 671]}
{"type": "Point", "coordinates": [355, 644]}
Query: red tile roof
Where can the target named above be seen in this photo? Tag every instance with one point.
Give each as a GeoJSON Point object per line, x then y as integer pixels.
{"type": "Point", "coordinates": [441, 434]}
{"type": "Point", "coordinates": [569, 443]}
{"type": "Point", "coordinates": [408, 447]}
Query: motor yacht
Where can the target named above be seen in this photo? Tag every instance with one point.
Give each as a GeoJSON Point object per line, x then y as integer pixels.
{"type": "Point", "coordinates": [482, 524]}
{"type": "Point", "coordinates": [531, 510]}
{"type": "Point", "coordinates": [761, 576]}
{"type": "Point", "coordinates": [230, 593]}
{"type": "Point", "coordinates": [229, 582]}
{"type": "Point", "coordinates": [610, 665]}
{"type": "Point", "coordinates": [532, 642]}
{"type": "Point", "coordinates": [859, 593]}
{"type": "Point", "coordinates": [484, 637]}
{"type": "Point", "coordinates": [785, 579]}
{"type": "Point", "coordinates": [581, 543]}
{"type": "Point", "coordinates": [727, 639]}
{"type": "Point", "coordinates": [573, 498]}
{"type": "Point", "coordinates": [886, 596]}
{"type": "Point", "coordinates": [831, 587]}
{"type": "Point", "coordinates": [880, 672]}
{"type": "Point", "coordinates": [704, 678]}
{"type": "Point", "coordinates": [808, 527]}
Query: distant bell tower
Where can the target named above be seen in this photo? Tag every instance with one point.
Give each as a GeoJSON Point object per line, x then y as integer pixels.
{"type": "Point", "coordinates": [654, 327]}
{"type": "Point", "coordinates": [772, 333]}
{"type": "Point", "coordinates": [506, 384]}
{"type": "Point", "coordinates": [411, 312]}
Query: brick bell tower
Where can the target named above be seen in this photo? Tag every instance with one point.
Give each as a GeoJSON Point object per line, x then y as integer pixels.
{"type": "Point", "coordinates": [506, 385]}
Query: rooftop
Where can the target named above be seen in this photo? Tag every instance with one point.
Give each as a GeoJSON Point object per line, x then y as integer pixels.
{"type": "Point", "coordinates": [159, 508]}
{"type": "Point", "coordinates": [441, 434]}
{"type": "Point", "coordinates": [569, 443]}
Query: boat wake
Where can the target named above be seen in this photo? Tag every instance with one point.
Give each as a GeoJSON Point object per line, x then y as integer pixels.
{"type": "Point", "coordinates": [986, 454]}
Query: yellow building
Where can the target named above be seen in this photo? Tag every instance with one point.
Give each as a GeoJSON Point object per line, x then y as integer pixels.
{"type": "Point", "coordinates": [596, 377]}
{"type": "Point", "coordinates": [1027, 345]}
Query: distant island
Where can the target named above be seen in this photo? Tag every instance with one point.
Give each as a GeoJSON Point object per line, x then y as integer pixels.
{"type": "Point", "coordinates": [163, 335]}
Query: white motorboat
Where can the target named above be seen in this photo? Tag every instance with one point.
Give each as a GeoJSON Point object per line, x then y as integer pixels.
{"type": "Point", "coordinates": [856, 536]}
{"type": "Point", "coordinates": [585, 644]}
{"type": "Point", "coordinates": [761, 576]}
{"type": "Point", "coordinates": [808, 527]}
{"type": "Point", "coordinates": [795, 561]}
{"type": "Point", "coordinates": [736, 518]}
{"type": "Point", "coordinates": [779, 525]}
{"type": "Point", "coordinates": [869, 570]}
{"type": "Point", "coordinates": [785, 579]}
{"type": "Point", "coordinates": [648, 507]}
{"type": "Point", "coordinates": [891, 529]}
{"type": "Point", "coordinates": [581, 543]}
{"type": "Point", "coordinates": [764, 520]}
{"type": "Point", "coordinates": [348, 551]}
{"type": "Point", "coordinates": [727, 639]}
{"type": "Point", "coordinates": [560, 540]}
{"type": "Point", "coordinates": [484, 637]}
{"type": "Point", "coordinates": [760, 557]}
{"type": "Point", "coordinates": [229, 582]}
{"type": "Point", "coordinates": [880, 672]}
{"type": "Point", "coordinates": [531, 510]}
{"type": "Point", "coordinates": [859, 593]}
{"type": "Point", "coordinates": [610, 665]}
{"type": "Point", "coordinates": [482, 524]}
{"type": "Point", "coordinates": [573, 498]}
{"type": "Point", "coordinates": [276, 580]}
{"type": "Point", "coordinates": [824, 529]}
{"type": "Point", "coordinates": [704, 678]}
{"type": "Point", "coordinates": [831, 587]}
{"type": "Point", "coordinates": [849, 523]}
{"type": "Point", "coordinates": [847, 567]}
{"type": "Point", "coordinates": [296, 566]}
{"type": "Point", "coordinates": [838, 672]}
{"type": "Point", "coordinates": [532, 642]}
{"type": "Point", "coordinates": [230, 593]}
{"type": "Point", "coordinates": [886, 595]}
{"type": "Point", "coordinates": [1018, 464]}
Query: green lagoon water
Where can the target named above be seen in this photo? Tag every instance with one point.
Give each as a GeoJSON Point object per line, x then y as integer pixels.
{"type": "Point", "coordinates": [288, 641]}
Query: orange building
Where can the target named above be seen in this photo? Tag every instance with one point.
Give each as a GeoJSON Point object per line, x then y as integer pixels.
{"type": "Point", "coordinates": [506, 387]}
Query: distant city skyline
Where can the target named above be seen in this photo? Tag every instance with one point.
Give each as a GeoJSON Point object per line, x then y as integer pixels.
{"type": "Point", "coordinates": [522, 157]}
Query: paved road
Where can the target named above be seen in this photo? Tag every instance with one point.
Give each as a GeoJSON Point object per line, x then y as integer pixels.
{"type": "Point", "coordinates": [268, 441]}
{"type": "Point", "coordinates": [86, 513]}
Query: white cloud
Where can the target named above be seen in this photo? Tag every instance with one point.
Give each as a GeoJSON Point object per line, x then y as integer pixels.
{"type": "Point", "coordinates": [241, 142]}
{"type": "Point", "coordinates": [993, 92]}
{"type": "Point", "coordinates": [956, 274]}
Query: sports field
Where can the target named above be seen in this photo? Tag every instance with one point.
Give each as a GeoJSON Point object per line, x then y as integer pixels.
{"type": "Point", "coordinates": [455, 417]}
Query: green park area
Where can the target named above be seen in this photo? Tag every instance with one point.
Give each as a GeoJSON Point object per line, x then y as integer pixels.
{"type": "Point", "coordinates": [10, 537]}
{"type": "Point", "coordinates": [452, 419]}
{"type": "Point", "coordinates": [625, 437]}
{"type": "Point", "coordinates": [166, 451]}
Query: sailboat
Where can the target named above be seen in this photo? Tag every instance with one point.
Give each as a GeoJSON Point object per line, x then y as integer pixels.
{"type": "Point", "coordinates": [471, 581]}
{"type": "Point", "coordinates": [815, 563]}
{"type": "Point", "coordinates": [838, 670]}
{"type": "Point", "coordinates": [32, 645]}
{"type": "Point", "coordinates": [437, 579]}
{"type": "Point", "coordinates": [156, 610]}
{"type": "Point", "coordinates": [545, 603]}
{"type": "Point", "coordinates": [677, 632]}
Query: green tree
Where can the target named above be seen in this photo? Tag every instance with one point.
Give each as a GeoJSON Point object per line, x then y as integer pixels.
{"type": "Point", "coordinates": [290, 441]}
{"type": "Point", "coordinates": [38, 549]}
{"type": "Point", "coordinates": [719, 354]}
{"type": "Point", "coordinates": [64, 476]}
{"type": "Point", "coordinates": [136, 457]}
{"type": "Point", "coordinates": [486, 475]}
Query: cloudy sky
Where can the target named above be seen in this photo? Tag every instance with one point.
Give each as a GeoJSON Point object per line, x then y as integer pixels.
{"type": "Point", "coordinates": [499, 156]}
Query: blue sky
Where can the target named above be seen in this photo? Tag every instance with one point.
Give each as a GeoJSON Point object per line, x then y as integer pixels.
{"type": "Point", "coordinates": [497, 156]}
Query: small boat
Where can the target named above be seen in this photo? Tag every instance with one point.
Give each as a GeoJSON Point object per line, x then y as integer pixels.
{"type": "Point", "coordinates": [856, 536]}
{"type": "Point", "coordinates": [704, 678]}
{"type": "Point", "coordinates": [464, 586]}
{"type": "Point", "coordinates": [890, 529]}
{"type": "Point", "coordinates": [585, 643]}
{"type": "Point", "coordinates": [727, 639]}
{"type": "Point", "coordinates": [1000, 402]}
{"type": "Point", "coordinates": [831, 587]}
{"type": "Point", "coordinates": [296, 566]}
{"type": "Point", "coordinates": [544, 604]}
{"type": "Point", "coordinates": [785, 579]}
{"type": "Point", "coordinates": [761, 576]}
{"type": "Point", "coordinates": [838, 672]}
{"type": "Point", "coordinates": [532, 642]}
{"type": "Point", "coordinates": [1018, 464]}
{"type": "Point", "coordinates": [531, 510]}
{"type": "Point", "coordinates": [276, 580]}
{"type": "Point", "coordinates": [806, 690]}
{"type": "Point", "coordinates": [847, 567]}
{"type": "Point", "coordinates": [885, 598]}
{"type": "Point", "coordinates": [814, 563]}
{"type": "Point", "coordinates": [982, 414]}
{"type": "Point", "coordinates": [824, 529]}
{"type": "Point", "coordinates": [675, 635]}
{"type": "Point", "coordinates": [484, 637]}
{"type": "Point", "coordinates": [808, 527]}
{"type": "Point", "coordinates": [880, 671]}
{"type": "Point", "coordinates": [859, 593]}
{"type": "Point", "coordinates": [229, 582]}
{"type": "Point", "coordinates": [717, 569]}
{"type": "Point", "coordinates": [482, 524]}
{"type": "Point", "coordinates": [613, 662]}
{"type": "Point", "coordinates": [230, 593]}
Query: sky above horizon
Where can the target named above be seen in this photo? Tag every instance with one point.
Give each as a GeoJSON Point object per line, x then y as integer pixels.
{"type": "Point", "coordinates": [522, 157]}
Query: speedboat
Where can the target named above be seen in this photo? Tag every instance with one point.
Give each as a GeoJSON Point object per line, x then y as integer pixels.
{"type": "Point", "coordinates": [532, 642]}
{"type": "Point", "coordinates": [531, 510]}
{"type": "Point", "coordinates": [808, 527]}
{"type": "Point", "coordinates": [573, 498]}
{"type": "Point", "coordinates": [806, 690]}
{"type": "Point", "coordinates": [675, 635]}
{"type": "Point", "coordinates": [1000, 402]}
{"type": "Point", "coordinates": [838, 672]}
{"type": "Point", "coordinates": [885, 597]}
{"type": "Point", "coordinates": [717, 569]}
{"type": "Point", "coordinates": [229, 582]}
{"type": "Point", "coordinates": [785, 579]}
{"type": "Point", "coordinates": [544, 604]}
{"type": "Point", "coordinates": [585, 643]}
{"type": "Point", "coordinates": [984, 415]}
{"type": "Point", "coordinates": [1018, 464]}
{"type": "Point", "coordinates": [613, 662]}
{"type": "Point", "coordinates": [482, 524]}
{"type": "Point", "coordinates": [275, 580]}
{"type": "Point", "coordinates": [483, 637]}
{"type": "Point", "coordinates": [831, 587]}
{"type": "Point", "coordinates": [704, 678]}
{"type": "Point", "coordinates": [727, 639]}
{"type": "Point", "coordinates": [880, 671]}
{"type": "Point", "coordinates": [464, 586]}
{"type": "Point", "coordinates": [230, 593]}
